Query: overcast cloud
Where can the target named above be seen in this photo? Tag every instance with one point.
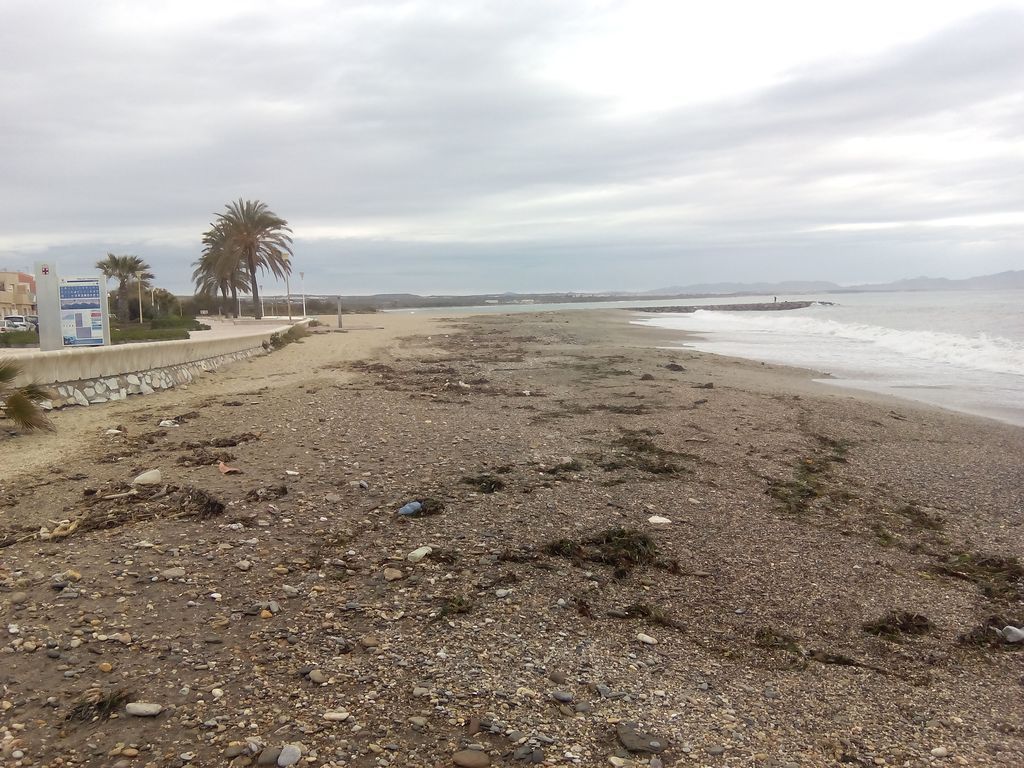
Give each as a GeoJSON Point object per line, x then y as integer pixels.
{"type": "Point", "coordinates": [489, 146]}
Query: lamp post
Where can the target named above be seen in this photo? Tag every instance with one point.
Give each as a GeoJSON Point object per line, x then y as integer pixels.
{"type": "Point", "coordinates": [263, 306]}
{"type": "Point", "coordinates": [138, 276]}
{"type": "Point", "coordinates": [302, 278]}
{"type": "Point", "coordinates": [288, 290]}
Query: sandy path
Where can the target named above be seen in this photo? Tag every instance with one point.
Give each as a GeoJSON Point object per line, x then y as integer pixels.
{"type": "Point", "coordinates": [79, 430]}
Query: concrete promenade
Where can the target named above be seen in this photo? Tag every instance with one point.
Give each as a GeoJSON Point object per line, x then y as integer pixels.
{"type": "Point", "coordinates": [224, 337]}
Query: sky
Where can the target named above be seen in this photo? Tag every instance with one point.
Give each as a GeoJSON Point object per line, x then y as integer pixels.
{"type": "Point", "coordinates": [539, 145]}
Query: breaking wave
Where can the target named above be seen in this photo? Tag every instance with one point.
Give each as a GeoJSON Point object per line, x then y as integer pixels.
{"type": "Point", "coordinates": [980, 352]}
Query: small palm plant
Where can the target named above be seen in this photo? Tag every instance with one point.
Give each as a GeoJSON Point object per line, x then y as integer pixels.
{"type": "Point", "coordinates": [20, 404]}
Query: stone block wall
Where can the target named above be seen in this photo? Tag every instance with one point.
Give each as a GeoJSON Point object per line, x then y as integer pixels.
{"type": "Point", "coordinates": [106, 388]}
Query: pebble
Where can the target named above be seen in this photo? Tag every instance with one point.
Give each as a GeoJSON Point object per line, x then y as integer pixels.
{"type": "Point", "coordinates": [658, 520]}
{"type": "Point", "coordinates": [317, 676]}
{"type": "Point", "coordinates": [940, 752]}
{"type": "Point", "coordinates": [105, 666]}
{"type": "Point", "coordinates": [716, 750]}
{"type": "Point", "coordinates": [392, 574]}
{"type": "Point", "coordinates": [143, 709]}
{"type": "Point", "coordinates": [471, 758]}
{"type": "Point", "coordinates": [419, 722]}
{"type": "Point", "coordinates": [269, 756]}
{"type": "Point", "coordinates": [646, 639]}
{"type": "Point", "coordinates": [418, 554]}
{"type": "Point", "coordinates": [172, 573]}
{"type": "Point", "coordinates": [17, 598]}
{"type": "Point", "coordinates": [336, 717]}
{"type": "Point", "coordinates": [563, 696]}
{"type": "Point", "coordinates": [636, 741]}
{"type": "Point", "coordinates": [558, 678]}
{"type": "Point", "coordinates": [290, 755]}
{"type": "Point", "coordinates": [501, 593]}
{"type": "Point", "coordinates": [243, 565]}
{"type": "Point", "coordinates": [369, 641]}
{"type": "Point", "coordinates": [152, 477]}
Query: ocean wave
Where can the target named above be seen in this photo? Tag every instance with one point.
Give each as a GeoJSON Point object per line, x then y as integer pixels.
{"type": "Point", "coordinates": [980, 352]}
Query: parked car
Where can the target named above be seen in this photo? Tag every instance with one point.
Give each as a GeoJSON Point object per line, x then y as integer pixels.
{"type": "Point", "coordinates": [17, 323]}
{"type": "Point", "coordinates": [33, 321]}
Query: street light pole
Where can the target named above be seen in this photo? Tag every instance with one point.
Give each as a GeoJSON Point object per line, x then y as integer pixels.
{"type": "Point", "coordinates": [302, 278]}
{"type": "Point", "coordinates": [263, 305]}
{"type": "Point", "coordinates": [138, 276]}
{"type": "Point", "coordinates": [288, 290]}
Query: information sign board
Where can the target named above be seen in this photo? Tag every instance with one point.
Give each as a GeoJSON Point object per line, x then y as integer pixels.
{"type": "Point", "coordinates": [81, 311]}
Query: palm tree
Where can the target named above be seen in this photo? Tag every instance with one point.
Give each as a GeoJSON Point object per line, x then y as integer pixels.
{"type": "Point", "coordinates": [246, 238]}
{"type": "Point", "coordinates": [220, 269]}
{"type": "Point", "coordinates": [20, 404]}
{"type": "Point", "coordinates": [126, 270]}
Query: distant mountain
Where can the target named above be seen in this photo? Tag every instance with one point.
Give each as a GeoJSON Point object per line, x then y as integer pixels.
{"type": "Point", "coordinates": [1012, 279]}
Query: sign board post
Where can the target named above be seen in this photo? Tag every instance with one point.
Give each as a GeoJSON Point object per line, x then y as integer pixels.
{"type": "Point", "coordinates": [48, 306]}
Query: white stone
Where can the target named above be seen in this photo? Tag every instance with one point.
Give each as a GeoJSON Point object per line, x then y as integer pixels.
{"type": "Point", "coordinates": [152, 477]}
{"type": "Point", "coordinates": [100, 387]}
{"type": "Point", "coordinates": [142, 709]}
{"type": "Point", "coordinates": [132, 378]}
{"type": "Point", "coordinates": [90, 392]}
{"type": "Point", "coordinates": [145, 389]}
{"type": "Point", "coordinates": [336, 717]}
{"type": "Point", "coordinates": [646, 639]}
{"type": "Point", "coordinates": [418, 554]}
{"type": "Point", "coordinates": [80, 398]}
{"type": "Point", "coordinates": [658, 520]}
{"type": "Point", "coordinates": [940, 752]}
{"type": "Point", "coordinates": [1013, 634]}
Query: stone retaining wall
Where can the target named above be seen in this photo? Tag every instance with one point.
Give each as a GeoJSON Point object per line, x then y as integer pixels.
{"type": "Point", "coordinates": [107, 388]}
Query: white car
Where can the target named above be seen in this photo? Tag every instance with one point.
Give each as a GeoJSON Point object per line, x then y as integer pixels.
{"type": "Point", "coordinates": [17, 323]}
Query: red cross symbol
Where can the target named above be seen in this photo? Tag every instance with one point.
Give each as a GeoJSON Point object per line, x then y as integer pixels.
{"type": "Point", "coordinates": [46, 270]}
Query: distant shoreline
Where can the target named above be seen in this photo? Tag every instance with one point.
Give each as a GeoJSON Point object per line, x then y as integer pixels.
{"type": "Point", "coordinates": [767, 306]}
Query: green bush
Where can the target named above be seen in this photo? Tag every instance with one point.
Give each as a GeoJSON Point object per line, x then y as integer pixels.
{"type": "Point", "coordinates": [188, 323]}
{"type": "Point", "coordinates": [19, 339]}
{"type": "Point", "coordinates": [126, 335]}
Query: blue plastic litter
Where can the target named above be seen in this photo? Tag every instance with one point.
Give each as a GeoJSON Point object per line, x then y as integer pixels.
{"type": "Point", "coordinates": [411, 508]}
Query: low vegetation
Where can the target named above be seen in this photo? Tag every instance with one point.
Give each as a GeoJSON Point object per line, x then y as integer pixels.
{"type": "Point", "coordinates": [20, 404]}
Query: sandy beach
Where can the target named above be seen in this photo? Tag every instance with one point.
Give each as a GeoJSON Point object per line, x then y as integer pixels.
{"type": "Point", "coordinates": [638, 556]}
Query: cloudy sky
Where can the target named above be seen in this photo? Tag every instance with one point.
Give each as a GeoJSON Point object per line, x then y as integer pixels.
{"type": "Point", "coordinates": [465, 145]}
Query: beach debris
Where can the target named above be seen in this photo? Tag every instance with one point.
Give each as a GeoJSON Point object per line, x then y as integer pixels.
{"type": "Point", "coordinates": [150, 477]}
{"type": "Point", "coordinates": [267, 493]}
{"type": "Point", "coordinates": [1012, 634]}
{"type": "Point", "coordinates": [226, 470]}
{"type": "Point", "coordinates": [291, 473]}
{"type": "Point", "coordinates": [484, 483]}
{"type": "Point", "coordinates": [113, 432]}
{"type": "Point", "coordinates": [674, 367]}
{"type": "Point", "coordinates": [709, 385]}
{"type": "Point", "coordinates": [410, 509]}
{"type": "Point", "coordinates": [421, 508]}
{"type": "Point", "coordinates": [418, 554]}
{"type": "Point", "coordinates": [168, 423]}
{"type": "Point", "coordinates": [897, 623]}
{"type": "Point", "coordinates": [647, 377]}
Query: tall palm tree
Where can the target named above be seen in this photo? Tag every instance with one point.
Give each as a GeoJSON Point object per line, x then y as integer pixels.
{"type": "Point", "coordinates": [20, 404]}
{"type": "Point", "coordinates": [249, 237]}
{"type": "Point", "coordinates": [126, 270]}
{"type": "Point", "coordinates": [220, 268]}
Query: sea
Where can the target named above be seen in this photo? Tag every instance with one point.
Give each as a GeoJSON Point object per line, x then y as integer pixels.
{"type": "Point", "coordinates": [960, 350]}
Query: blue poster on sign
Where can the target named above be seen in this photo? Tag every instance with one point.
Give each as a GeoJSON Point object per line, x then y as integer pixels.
{"type": "Point", "coordinates": [81, 311]}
